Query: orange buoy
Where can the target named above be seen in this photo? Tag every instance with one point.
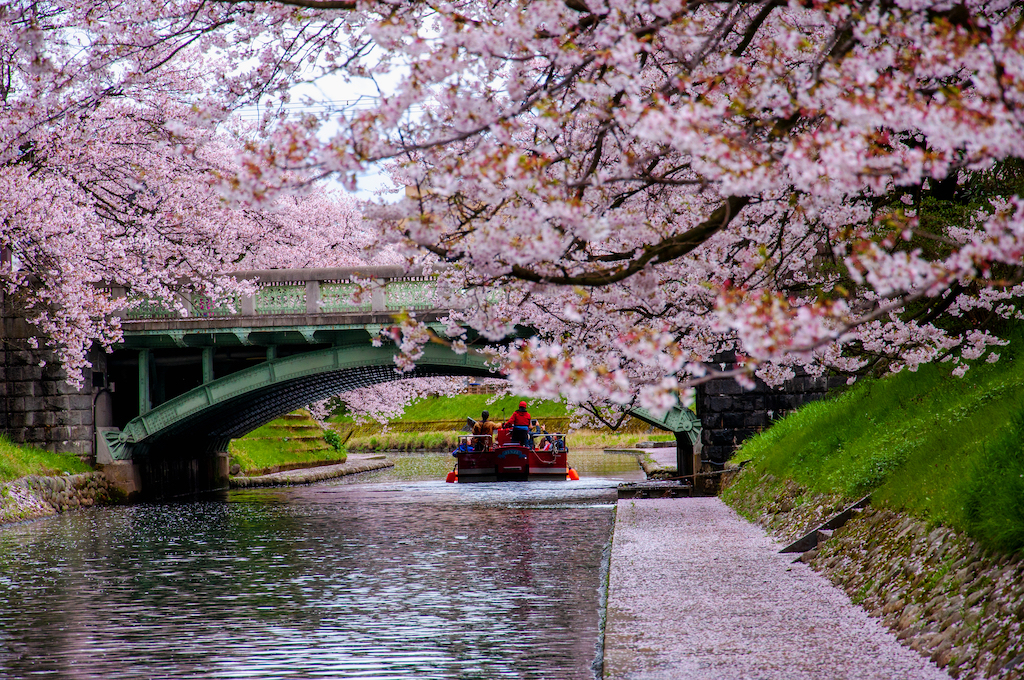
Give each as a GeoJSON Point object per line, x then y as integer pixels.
{"type": "Point", "coordinates": [452, 477]}
{"type": "Point", "coordinates": [573, 475]}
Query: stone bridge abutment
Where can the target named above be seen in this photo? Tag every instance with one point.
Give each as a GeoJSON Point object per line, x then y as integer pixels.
{"type": "Point", "coordinates": [39, 406]}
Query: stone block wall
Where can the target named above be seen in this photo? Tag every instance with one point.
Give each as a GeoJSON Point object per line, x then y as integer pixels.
{"type": "Point", "coordinates": [37, 405]}
{"type": "Point", "coordinates": [939, 591]}
{"type": "Point", "coordinates": [35, 496]}
{"type": "Point", "coordinates": [730, 414]}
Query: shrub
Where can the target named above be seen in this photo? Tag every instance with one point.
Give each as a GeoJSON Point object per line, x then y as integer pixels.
{"type": "Point", "coordinates": [333, 438]}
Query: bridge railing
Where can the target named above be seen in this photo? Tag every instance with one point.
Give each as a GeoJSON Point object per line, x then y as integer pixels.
{"type": "Point", "coordinates": [307, 291]}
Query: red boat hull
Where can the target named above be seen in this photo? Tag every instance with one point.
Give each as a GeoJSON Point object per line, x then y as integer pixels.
{"type": "Point", "coordinates": [511, 462]}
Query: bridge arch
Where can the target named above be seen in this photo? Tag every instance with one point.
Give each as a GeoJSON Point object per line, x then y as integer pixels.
{"type": "Point", "coordinates": [201, 422]}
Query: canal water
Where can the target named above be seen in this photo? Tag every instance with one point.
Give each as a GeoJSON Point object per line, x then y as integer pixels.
{"type": "Point", "coordinates": [386, 575]}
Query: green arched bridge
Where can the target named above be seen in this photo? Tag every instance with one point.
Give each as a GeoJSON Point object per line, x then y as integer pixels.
{"type": "Point", "coordinates": [179, 388]}
{"type": "Point", "coordinates": [192, 383]}
{"type": "Point", "coordinates": [206, 418]}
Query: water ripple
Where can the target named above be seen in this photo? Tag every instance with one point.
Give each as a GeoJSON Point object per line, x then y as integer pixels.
{"type": "Point", "coordinates": [396, 579]}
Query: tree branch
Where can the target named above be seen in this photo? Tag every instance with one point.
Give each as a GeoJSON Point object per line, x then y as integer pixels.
{"type": "Point", "coordinates": [308, 4]}
{"type": "Point", "coordinates": [666, 250]}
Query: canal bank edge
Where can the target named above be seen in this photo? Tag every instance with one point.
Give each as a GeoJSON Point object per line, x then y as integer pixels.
{"type": "Point", "coordinates": [354, 464]}
{"type": "Point", "coordinates": [939, 591]}
{"type": "Point", "coordinates": [37, 496]}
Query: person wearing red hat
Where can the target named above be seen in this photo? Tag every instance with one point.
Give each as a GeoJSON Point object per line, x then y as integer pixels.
{"type": "Point", "coordinates": [520, 423]}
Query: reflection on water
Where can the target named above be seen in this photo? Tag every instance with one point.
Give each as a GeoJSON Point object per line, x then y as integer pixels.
{"type": "Point", "coordinates": [387, 576]}
{"type": "Point", "coordinates": [590, 463]}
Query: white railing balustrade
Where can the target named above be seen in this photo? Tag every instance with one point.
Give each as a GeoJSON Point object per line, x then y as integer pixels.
{"type": "Point", "coordinates": [307, 291]}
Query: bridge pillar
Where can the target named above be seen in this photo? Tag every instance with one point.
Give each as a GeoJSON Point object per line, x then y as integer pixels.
{"type": "Point", "coordinates": [124, 476]}
{"type": "Point", "coordinates": [170, 475]}
{"type": "Point", "coordinates": [207, 365]}
{"type": "Point", "coordinates": [686, 427]}
{"type": "Point", "coordinates": [377, 301]}
{"type": "Point", "coordinates": [248, 305]}
{"type": "Point", "coordinates": [103, 408]}
{"type": "Point", "coordinates": [145, 400]}
{"type": "Point", "coordinates": [684, 454]}
{"type": "Point", "coordinates": [312, 297]}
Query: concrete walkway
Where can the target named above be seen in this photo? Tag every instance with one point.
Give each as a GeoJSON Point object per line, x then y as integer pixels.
{"type": "Point", "coordinates": [696, 592]}
{"type": "Point", "coordinates": [660, 460]}
{"type": "Point", "coordinates": [353, 464]}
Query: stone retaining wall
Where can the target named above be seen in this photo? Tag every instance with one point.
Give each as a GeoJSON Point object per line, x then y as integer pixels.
{"type": "Point", "coordinates": [36, 496]}
{"type": "Point", "coordinates": [730, 414]}
{"type": "Point", "coordinates": [937, 590]}
{"type": "Point", "coordinates": [37, 405]}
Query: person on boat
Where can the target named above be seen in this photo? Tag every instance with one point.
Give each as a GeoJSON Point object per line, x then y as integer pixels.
{"type": "Point", "coordinates": [520, 424]}
{"type": "Point", "coordinates": [463, 447]}
{"type": "Point", "coordinates": [482, 428]}
{"type": "Point", "coordinates": [540, 433]}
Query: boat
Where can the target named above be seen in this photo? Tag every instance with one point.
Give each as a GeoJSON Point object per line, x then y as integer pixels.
{"type": "Point", "coordinates": [486, 458]}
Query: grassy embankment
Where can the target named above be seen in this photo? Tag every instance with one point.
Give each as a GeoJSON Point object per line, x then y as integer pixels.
{"type": "Point", "coordinates": [436, 422]}
{"type": "Point", "coordinates": [297, 441]}
{"type": "Point", "coordinates": [18, 461]}
{"type": "Point", "coordinates": [293, 441]}
{"type": "Point", "coordinates": [948, 450]}
{"type": "Point", "coordinates": [448, 415]}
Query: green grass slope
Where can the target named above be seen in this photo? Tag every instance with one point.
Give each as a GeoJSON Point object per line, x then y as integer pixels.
{"type": "Point", "coordinates": [18, 461]}
{"type": "Point", "coordinates": [949, 450]}
{"type": "Point", "coordinates": [442, 420]}
{"type": "Point", "coordinates": [463, 405]}
{"type": "Point", "coordinates": [404, 441]}
{"type": "Point", "coordinates": [293, 441]}
{"type": "Point", "coordinates": [451, 413]}
{"type": "Point", "coordinates": [459, 406]}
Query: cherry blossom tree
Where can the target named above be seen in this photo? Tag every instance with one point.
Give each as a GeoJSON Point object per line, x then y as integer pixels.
{"type": "Point", "coordinates": [116, 172]}
{"type": "Point", "coordinates": [831, 185]}
{"type": "Point", "coordinates": [827, 185]}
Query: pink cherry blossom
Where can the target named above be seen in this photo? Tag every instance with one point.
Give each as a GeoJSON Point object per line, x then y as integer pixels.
{"type": "Point", "coordinates": [641, 185]}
